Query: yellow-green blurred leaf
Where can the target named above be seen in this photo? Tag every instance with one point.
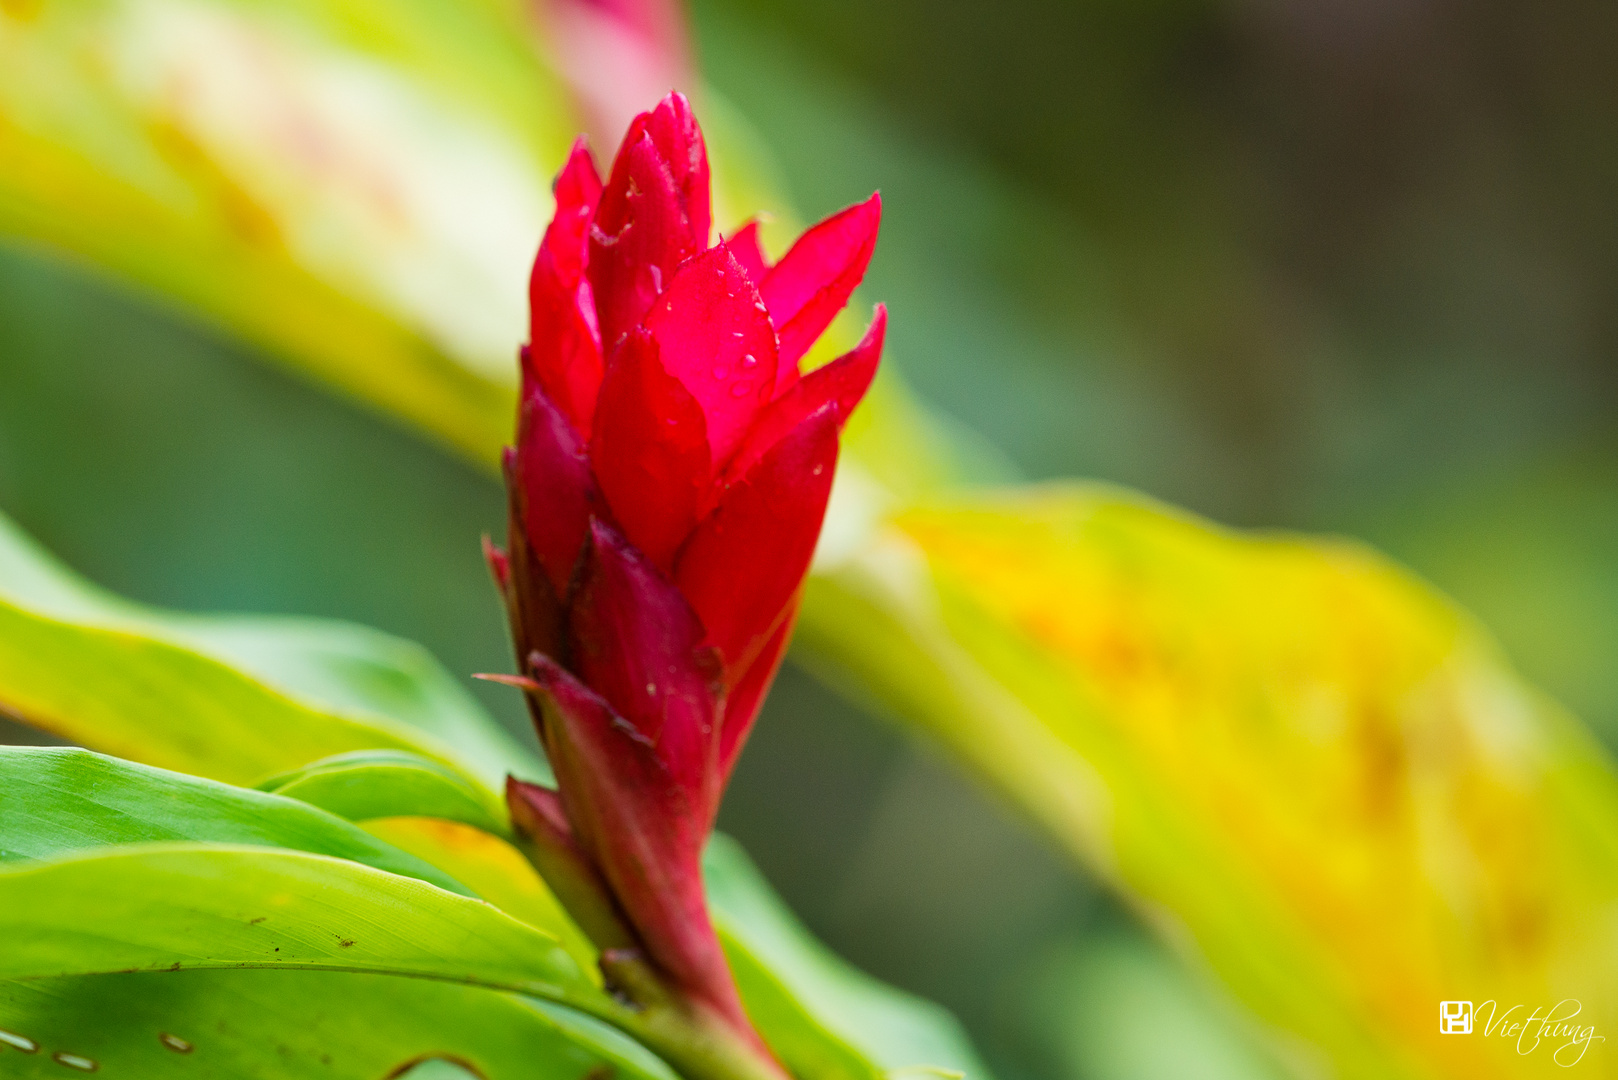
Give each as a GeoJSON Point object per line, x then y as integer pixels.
{"type": "Point", "coordinates": [1309, 769]}
{"type": "Point", "coordinates": [357, 186]}
{"type": "Point", "coordinates": [233, 698]}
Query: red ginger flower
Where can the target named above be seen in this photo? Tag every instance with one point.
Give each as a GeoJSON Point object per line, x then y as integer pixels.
{"type": "Point", "coordinates": [670, 477]}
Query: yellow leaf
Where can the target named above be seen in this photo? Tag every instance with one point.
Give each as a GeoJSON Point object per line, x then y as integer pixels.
{"type": "Point", "coordinates": [1308, 768]}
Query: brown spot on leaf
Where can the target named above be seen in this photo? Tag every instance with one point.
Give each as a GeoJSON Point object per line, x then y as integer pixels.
{"type": "Point", "coordinates": [175, 1043]}
{"type": "Point", "coordinates": [404, 1067]}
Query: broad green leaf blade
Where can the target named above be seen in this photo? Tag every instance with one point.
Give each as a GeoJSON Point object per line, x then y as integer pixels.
{"type": "Point", "coordinates": [1305, 765]}
{"type": "Point", "coordinates": [357, 671]}
{"type": "Point", "coordinates": [389, 783]}
{"type": "Point", "coordinates": [493, 869]}
{"type": "Point", "coordinates": [61, 801]}
{"type": "Point", "coordinates": [183, 907]}
{"type": "Point", "coordinates": [291, 1025]}
{"type": "Point", "coordinates": [236, 699]}
{"type": "Point", "coordinates": [824, 1018]}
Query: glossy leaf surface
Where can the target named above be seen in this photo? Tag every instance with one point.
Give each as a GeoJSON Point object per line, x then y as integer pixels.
{"type": "Point", "coordinates": [289, 1025]}
{"type": "Point", "coordinates": [179, 907]}
{"type": "Point", "coordinates": [388, 783]}
{"type": "Point", "coordinates": [60, 801]}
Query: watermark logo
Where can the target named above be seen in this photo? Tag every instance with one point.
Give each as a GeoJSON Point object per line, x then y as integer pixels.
{"type": "Point", "coordinates": [1555, 1029]}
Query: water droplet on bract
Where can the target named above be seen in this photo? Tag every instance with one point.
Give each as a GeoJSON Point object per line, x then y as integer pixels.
{"type": "Point", "coordinates": [760, 305]}
{"type": "Point", "coordinates": [174, 1042]}
{"type": "Point", "coordinates": [741, 389]}
{"type": "Point", "coordinates": [818, 469]}
{"type": "Point", "coordinates": [749, 360]}
{"type": "Point", "coordinates": [737, 334]}
{"type": "Point", "coordinates": [74, 1061]}
{"type": "Point", "coordinates": [27, 1046]}
{"type": "Point", "coordinates": [719, 371]}
{"type": "Point", "coordinates": [651, 688]}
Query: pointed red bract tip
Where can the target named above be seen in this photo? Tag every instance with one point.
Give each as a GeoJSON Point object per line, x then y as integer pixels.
{"type": "Point", "coordinates": [745, 245]}
{"type": "Point", "coordinates": [564, 351]}
{"type": "Point", "coordinates": [499, 566]}
{"type": "Point", "coordinates": [815, 278]}
{"type": "Point", "coordinates": [673, 129]}
{"type": "Point", "coordinates": [653, 215]}
{"type": "Point", "coordinates": [840, 385]}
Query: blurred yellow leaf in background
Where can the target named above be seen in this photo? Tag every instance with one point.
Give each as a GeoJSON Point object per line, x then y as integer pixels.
{"type": "Point", "coordinates": [1307, 768]}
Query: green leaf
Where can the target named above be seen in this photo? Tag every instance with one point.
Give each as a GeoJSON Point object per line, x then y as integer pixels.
{"type": "Point", "coordinates": [389, 783]}
{"type": "Point", "coordinates": [356, 671]}
{"type": "Point", "coordinates": [59, 801]}
{"type": "Point", "coordinates": [235, 699]}
{"type": "Point", "coordinates": [63, 802]}
{"type": "Point", "coordinates": [493, 869]}
{"type": "Point", "coordinates": [291, 1025]}
{"type": "Point", "coordinates": [823, 1017]}
{"type": "Point", "coordinates": [181, 907]}
{"type": "Point", "coordinates": [1319, 777]}
{"type": "Point", "coordinates": [184, 908]}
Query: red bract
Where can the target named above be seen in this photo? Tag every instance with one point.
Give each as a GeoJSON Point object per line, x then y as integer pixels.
{"type": "Point", "coordinates": [670, 476]}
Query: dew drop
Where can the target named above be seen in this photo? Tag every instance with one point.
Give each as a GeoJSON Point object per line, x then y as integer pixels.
{"type": "Point", "coordinates": [74, 1061]}
{"type": "Point", "coordinates": [818, 469]}
{"type": "Point", "coordinates": [719, 371]}
{"type": "Point", "coordinates": [651, 688]}
{"type": "Point", "coordinates": [749, 360]}
{"type": "Point", "coordinates": [738, 334]}
{"type": "Point", "coordinates": [27, 1046]}
{"type": "Point", "coordinates": [175, 1043]}
{"type": "Point", "coordinates": [741, 390]}
{"type": "Point", "coordinates": [760, 305]}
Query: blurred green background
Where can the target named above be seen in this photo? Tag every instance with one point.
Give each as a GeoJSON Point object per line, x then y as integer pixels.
{"type": "Point", "coordinates": [1316, 264]}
